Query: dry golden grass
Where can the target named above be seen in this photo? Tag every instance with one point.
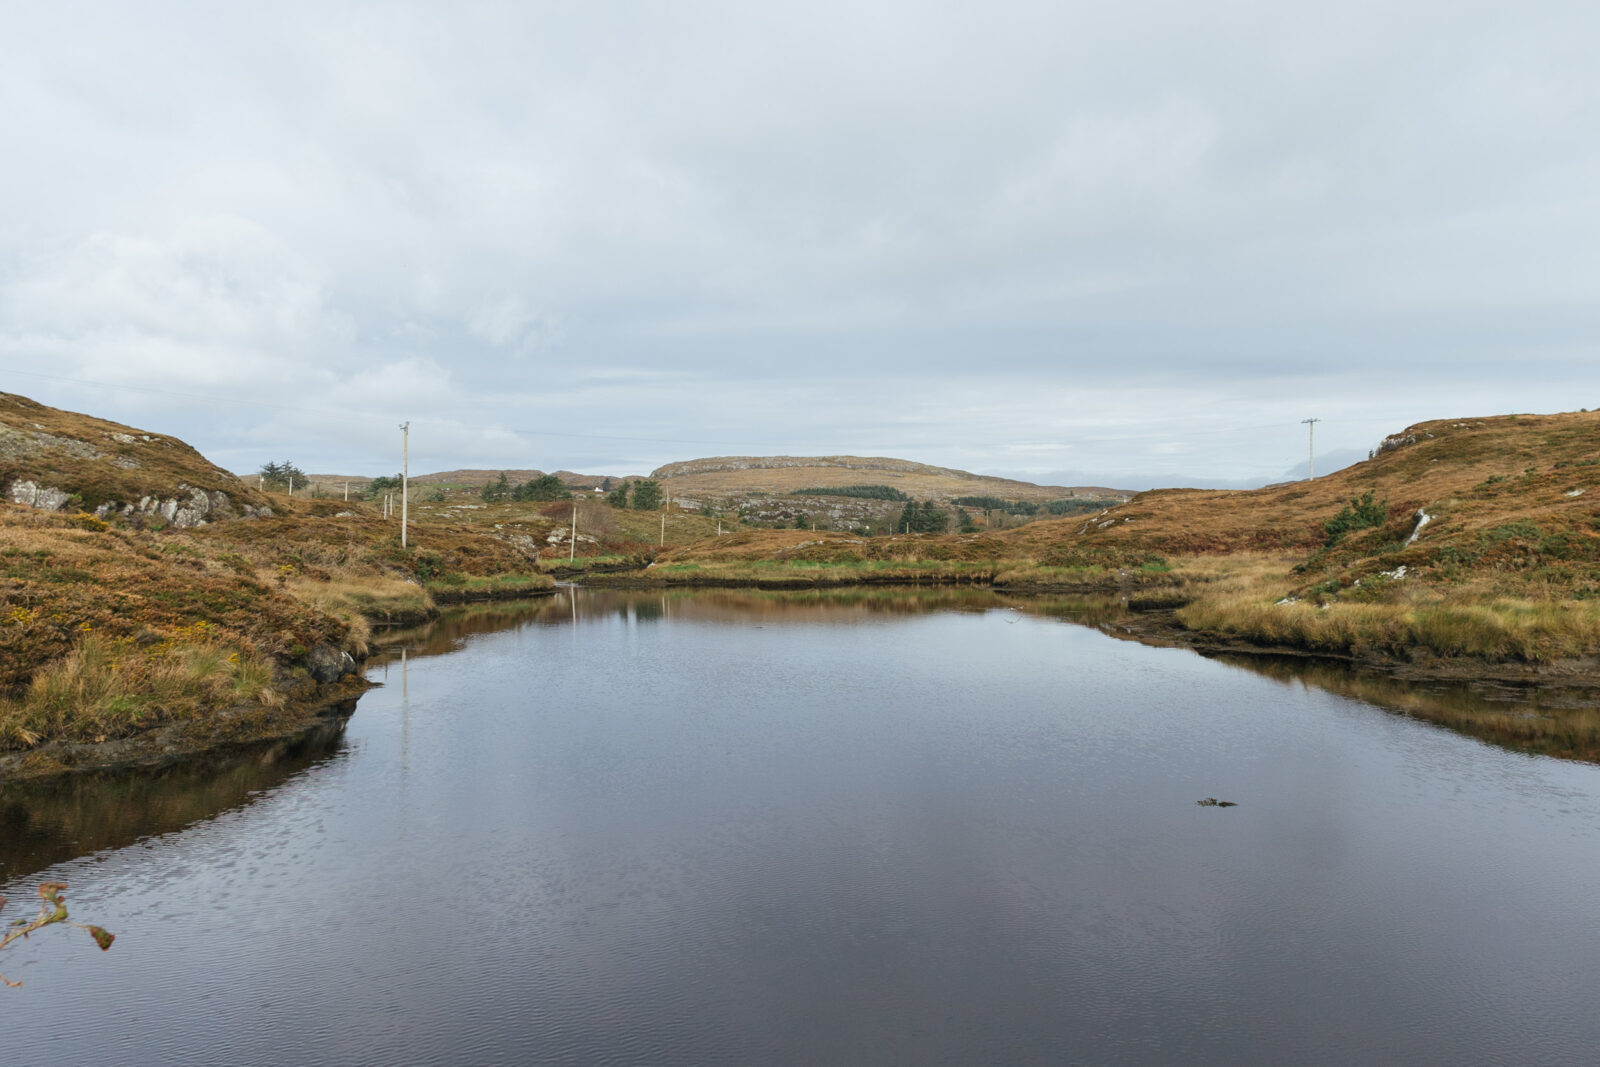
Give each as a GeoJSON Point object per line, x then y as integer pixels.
{"type": "Point", "coordinates": [107, 688]}
{"type": "Point", "coordinates": [1447, 624]}
{"type": "Point", "coordinates": [356, 600]}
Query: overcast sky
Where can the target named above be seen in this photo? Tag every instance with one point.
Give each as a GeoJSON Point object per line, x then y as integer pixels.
{"type": "Point", "coordinates": [1136, 242]}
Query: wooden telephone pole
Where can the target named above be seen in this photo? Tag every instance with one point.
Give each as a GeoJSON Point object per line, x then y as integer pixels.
{"type": "Point", "coordinates": [405, 478]}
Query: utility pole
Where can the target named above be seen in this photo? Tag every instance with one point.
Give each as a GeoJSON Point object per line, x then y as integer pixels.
{"type": "Point", "coordinates": [405, 478]}
{"type": "Point", "coordinates": [572, 552]}
{"type": "Point", "coordinates": [663, 527]}
{"type": "Point", "coordinates": [1311, 444]}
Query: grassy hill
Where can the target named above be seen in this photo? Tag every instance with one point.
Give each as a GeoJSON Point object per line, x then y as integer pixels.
{"type": "Point", "coordinates": [856, 493]}
{"type": "Point", "coordinates": [738, 475]}
{"type": "Point", "coordinates": [102, 467]}
{"type": "Point", "coordinates": [1505, 569]}
{"type": "Point", "coordinates": [144, 588]}
{"type": "Point", "coordinates": [1511, 505]}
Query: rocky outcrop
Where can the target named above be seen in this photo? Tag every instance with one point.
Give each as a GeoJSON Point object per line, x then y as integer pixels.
{"type": "Point", "coordinates": [54, 460]}
{"type": "Point", "coordinates": [33, 495]}
{"type": "Point", "coordinates": [19, 442]}
{"type": "Point", "coordinates": [329, 664]}
{"type": "Point", "coordinates": [562, 535]}
{"type": "Point", "coordinates": [1396, 441]}
{"type": "Point", "coordinates": [192, 507]}
{"type": "Point", "coordinates": [195, 509]}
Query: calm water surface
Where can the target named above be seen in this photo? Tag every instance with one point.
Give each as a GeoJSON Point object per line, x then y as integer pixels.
{"type": "Point", "coordinates": [889, 828]}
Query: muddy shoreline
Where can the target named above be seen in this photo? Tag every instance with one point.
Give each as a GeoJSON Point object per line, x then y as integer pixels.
{"type": "Point", "coordinates": [1160, 627]}
{"type": "Point", "coordinates": [230, 728]}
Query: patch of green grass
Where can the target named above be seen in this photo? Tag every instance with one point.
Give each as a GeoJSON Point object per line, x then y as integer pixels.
{"type": "Point", "coordinates": [1521, 530]}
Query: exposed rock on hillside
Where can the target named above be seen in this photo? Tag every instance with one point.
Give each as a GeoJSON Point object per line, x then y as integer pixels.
{"type": "Point", "coordinates": [60, 460]}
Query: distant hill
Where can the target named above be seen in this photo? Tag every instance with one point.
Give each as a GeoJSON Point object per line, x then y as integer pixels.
{"type": "Point", "coordinates": [731, 476]}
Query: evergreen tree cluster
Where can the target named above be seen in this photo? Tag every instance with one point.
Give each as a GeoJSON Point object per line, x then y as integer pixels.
{"type": "Point", "coordinates": [380, 485]}
{"type": "Point", "coordinates": [869, 492]}
{"type": "Point", "coordinates": [1074, 506]}
{"type": "Point", "coordinates": [278, 475]}
{"type": "Point", "coordinates": [1069, 506]}
{"type": "Point", "coordinates": [995, 503]}
{"type": "Point", "coordinates": [544, 487]}
{"type": "Point", "coordinates": [923, 517]}
{"type": "Point", "coordinates": [643, 495]}
{"type": "Point", "coordinates": [647, 495]}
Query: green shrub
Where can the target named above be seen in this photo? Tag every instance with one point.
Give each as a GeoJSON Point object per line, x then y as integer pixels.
{"type": "Point", "coordinates": [545, 487]}
{"type": "Point", "coordinates": [1361, 513]}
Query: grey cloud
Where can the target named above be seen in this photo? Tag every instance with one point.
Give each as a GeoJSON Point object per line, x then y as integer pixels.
{"type": "Point", "coordinates": [1059, 236]}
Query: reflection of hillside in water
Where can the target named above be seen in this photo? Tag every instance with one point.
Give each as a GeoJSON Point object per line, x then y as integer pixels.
{"type": "Point", "coordinates": [579, 606]}
{"type": "Point", "coordinates": [42, 823]}
{"type": "Point", "coordinates": [1546, 720]}
{"type": "Point", "coordinates": [1543, 720]}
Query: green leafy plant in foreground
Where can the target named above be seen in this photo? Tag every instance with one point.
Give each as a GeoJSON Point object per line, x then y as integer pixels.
{"type": "Point", "coordinates": [52, 910]}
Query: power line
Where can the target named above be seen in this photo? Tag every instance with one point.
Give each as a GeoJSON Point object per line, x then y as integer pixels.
{"type": "Point", "coordinates": [348, 415]}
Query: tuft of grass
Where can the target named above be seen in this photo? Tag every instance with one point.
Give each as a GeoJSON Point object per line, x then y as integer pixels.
{"type": "Point", "coordinates": [505, 584]}
{"type": "Point", "coordinates": [357, 600]}
{"type": "Point", "coordinates": [1495, 629]}
{"type": "Point", "coordinates": [107, 688]}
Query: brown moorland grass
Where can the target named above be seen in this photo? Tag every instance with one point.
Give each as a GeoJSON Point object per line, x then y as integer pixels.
{"type": "Point", "coordinates": [110, 687]}
{"type": "Point", "coordinates": [107, 617]}
{"type": "Point", "coordinates": [1506, 568]}
{"type": "Point", "coordinates": [59, 580]}
{"type": "Point", "coordinates": [1488, 466]}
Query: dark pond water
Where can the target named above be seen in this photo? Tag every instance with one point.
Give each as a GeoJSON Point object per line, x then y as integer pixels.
{"type": "Point", "coordinates": [865, 828]}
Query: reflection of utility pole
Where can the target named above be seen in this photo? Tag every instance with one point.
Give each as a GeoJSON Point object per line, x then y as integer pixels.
{"type": "Point", "coordinates": [405, 478]}
{"type": "Point", "coordinates": [1311, 444]}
